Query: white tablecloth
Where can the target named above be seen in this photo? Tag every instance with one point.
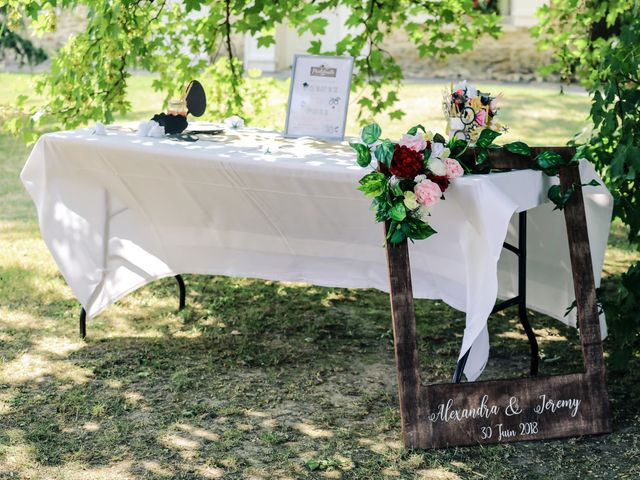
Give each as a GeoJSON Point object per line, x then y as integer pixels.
{"type": "Point", "coordinates": [119, 211]}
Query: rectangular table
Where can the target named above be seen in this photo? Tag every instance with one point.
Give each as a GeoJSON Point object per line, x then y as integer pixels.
{"type": "Point", "coordinates": [119, 211]}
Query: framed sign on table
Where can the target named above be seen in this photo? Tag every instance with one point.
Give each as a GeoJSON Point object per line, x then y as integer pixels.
{"type": "Point", "coordinates": [319, 96]}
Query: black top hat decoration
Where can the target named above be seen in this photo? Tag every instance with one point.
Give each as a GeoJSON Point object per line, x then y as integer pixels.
{"type": "Point", "coordinates": [196, 102]}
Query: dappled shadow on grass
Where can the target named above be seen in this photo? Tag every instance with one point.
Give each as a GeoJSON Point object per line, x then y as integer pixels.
{"type": "Point", "coordinates": [440, 330]}
{"type": "Point", "coordinates": [30, 305]}
{"type": "Point", "coordinates": [228, 388]}
{"type": "Point", "coordinates": [254, 379]}
{"type": "Point", "coordinates": [171, 405]}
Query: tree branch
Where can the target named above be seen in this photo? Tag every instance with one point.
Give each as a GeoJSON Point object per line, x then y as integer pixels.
{"type": "Point", "coordinates": [232, 67]}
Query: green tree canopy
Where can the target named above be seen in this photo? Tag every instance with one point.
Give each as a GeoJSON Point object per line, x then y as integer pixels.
{"type": "Point", "coordinates": [24, 50]}
{"type": "Point", "coordinates": [184, 40]}
{"type": "Point", "coordinates": [598, 41]}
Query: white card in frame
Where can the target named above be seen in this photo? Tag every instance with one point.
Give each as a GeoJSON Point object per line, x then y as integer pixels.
{"type": "Point", "coordinates": [319, 96]}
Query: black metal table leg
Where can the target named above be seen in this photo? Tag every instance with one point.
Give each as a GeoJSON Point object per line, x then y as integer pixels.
{"type": "Point", "coordinates": [183, 302]}
{"type": "Point", "coordinates": [520, 300]}
{"type": "Point", "coordinates": [457, 375]}
{"type": "Point", "coordinates": [83, 323]}
{"type": "Point", "coordinates": [522, 292]}
{"type": "Point", "coordinates": [183, 292]}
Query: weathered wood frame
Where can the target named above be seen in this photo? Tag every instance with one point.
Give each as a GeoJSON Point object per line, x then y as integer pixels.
{"type": "Point", "coordinates": [421, 406]}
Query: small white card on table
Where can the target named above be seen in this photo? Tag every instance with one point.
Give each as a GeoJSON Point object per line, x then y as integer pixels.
{"type": "Point", "coordinates": [319, 96]}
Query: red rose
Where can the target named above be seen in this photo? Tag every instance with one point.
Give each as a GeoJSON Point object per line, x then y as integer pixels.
{"type": "Point", "coordinates": [406, 163]}
{"type": "Point", "coordinates": [442, 182]}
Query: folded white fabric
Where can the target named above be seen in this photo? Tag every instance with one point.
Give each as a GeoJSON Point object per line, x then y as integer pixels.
{"type": "Point", "coordinates": [144, 127]}
{"type": "Point", "coordinates": [234, 122]}
{"type": "Point", "coordinates": [99, 129]}
{"type": "Point", "coordinates": [150, 129]}
{"type": "Point", "coordinates": [156, 130]}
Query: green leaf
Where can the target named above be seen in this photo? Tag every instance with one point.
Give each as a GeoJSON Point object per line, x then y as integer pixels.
{"type": "Point", "coordinates": [397, 190]}
{"type": "Point", "coordinates": [371, 133]}
{"type": "Point", "coordinates": [555, 194]}
{"type": "Point", "coordinates": [419, 230]}
{"type": "Point", "coordinates": [559, 197]}
{"type": "Point", "coordinates": [456, 143]}
{"type": "Point", "coordinates": [192, 5]}
{"type": "Point", "coordinates": [392, 228]}
{"type": "Point", "coordinates": [317, 25]}
{"type": "Point", "coordinates": [413, 130]}
{"type": "Point", "coordinates": [486, 138]}
{"type": "Point", "coordinates": [581, 152]}
{"type": "Point", "coordinates": [364, 154]}
{"type": "Point", "coordinates": [398, 236]}
{"type": "Point", "coordinates": [315, 47]}
{"type": "Point", "coordinates": [481, 156]}
{"type": "Point", "coordinates": [437, 138]}
{"type": "Point", "coordinates": [398, 212]}
{"type": "Point", "coordinates": [519, 148]}
{"type": "Point", "coordinates": [384, 152]}
{"type": "Point", "coordinates": [396, 115]}
{"type": "Point", "coordinates": [549, 162]}
{"type": "Point", "coordinates": [373, 184]}
{"type": "Point", "coordinates": [618, 161]}
{"type": "Point", "coordinates": [266, 40]}
{"type": "Point", "coordinates": [313, 465]}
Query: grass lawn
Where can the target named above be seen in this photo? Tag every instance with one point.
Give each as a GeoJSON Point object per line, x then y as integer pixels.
{"type": "Point", "coordinates": [254, 379]}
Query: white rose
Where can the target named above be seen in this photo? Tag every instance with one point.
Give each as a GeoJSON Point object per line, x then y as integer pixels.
{"type": "Point", "coordinates": [420, 178]}
{"type": "Point", "coordinates": [436, 150]}
{"type": "Point", "coordinates": [423, 212]}
{"type": "Point", "coordinates": [437, 167]}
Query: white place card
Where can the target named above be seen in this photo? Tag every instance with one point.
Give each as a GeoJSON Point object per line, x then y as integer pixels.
{"type": "Point", "coordinates": [319, 96]}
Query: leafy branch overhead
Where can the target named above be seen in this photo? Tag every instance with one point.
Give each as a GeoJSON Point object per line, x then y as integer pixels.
{"type": "Point", "coordinates": [22, 48]}
{"type": "Point", "coordinates": [547, 161]}
{"type": "Point", "coordinates": [599, 44]}
{"type": "Point", "coordinates": [198, 39]}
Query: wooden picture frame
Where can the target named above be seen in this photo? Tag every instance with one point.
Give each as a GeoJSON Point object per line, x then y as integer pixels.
{"type": "Point", "coordinates": [507, 410]}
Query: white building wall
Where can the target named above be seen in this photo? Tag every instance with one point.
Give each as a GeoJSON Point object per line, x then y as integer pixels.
{"type": "Point", "coordinates": [277, 57]}
{"type": "Point", "coordinates": [522, 13]}
{"type": "Point", "coordinates": [288, 43]}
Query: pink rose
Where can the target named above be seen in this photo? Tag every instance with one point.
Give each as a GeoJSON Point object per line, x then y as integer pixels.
{"type": "Point", "coordinates": [428, 193]}
{"type": "Point", "coordinates": [414, 142]}
{"type": "Point", "coordinates": [481, 117]}
{"type": "Point", "coordinates": [454, 169]}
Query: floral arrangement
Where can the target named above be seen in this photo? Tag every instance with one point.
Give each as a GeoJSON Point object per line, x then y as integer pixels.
{"type": "Point", "coordinates": [413, 173]}
{"type": "Point", "coordinates": [469, 111]}
{"type": "Point", "coordinates": [411, 177]}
